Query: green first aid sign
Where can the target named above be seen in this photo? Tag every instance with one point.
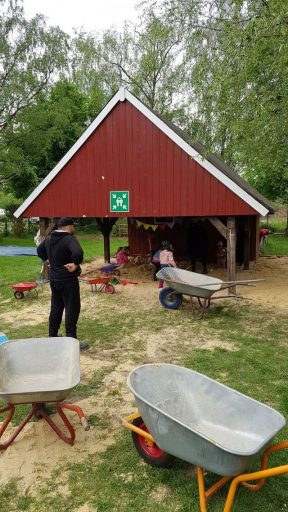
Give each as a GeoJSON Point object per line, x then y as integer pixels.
{"type": "Point", "coordinates": [119, 201]}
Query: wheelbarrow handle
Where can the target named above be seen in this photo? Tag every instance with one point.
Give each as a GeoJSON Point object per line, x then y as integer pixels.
{"type": "Point", "coordinates": [230, 283]}
{"type": "Point", "coordinates": [84, 423]}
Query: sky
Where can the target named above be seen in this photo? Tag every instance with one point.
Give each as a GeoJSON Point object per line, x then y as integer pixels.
{"type": "Point", "coordinates": [90, 15]}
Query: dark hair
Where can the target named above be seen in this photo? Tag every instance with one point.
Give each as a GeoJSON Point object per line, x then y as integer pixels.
{"type": "Point", "coordinates": [65, 221]}
{"type": "Point", "coordinates": [166, 245]}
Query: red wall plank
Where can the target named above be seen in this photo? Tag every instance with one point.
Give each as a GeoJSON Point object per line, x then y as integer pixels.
{"type": "Point", "coordinates": [128, 152]}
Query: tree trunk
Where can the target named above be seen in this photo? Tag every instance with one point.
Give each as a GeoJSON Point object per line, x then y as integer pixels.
{"type": "Point", "coordinates": [105, 225]}
{"type": "Point", "coordinates": [18, 227]}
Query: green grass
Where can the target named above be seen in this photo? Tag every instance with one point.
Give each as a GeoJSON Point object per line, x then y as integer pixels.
{"type": "Point", "coordinates": [118, 479]}
{"type": "Point", "coordinates": [15, 269]}
{"type": "Point", "coordinates": [277, 245]}
{"type": "Point", "coordinates": [275, 223]}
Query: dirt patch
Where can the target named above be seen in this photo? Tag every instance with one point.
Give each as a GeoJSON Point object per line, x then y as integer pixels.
{"type": "Point", "coordinates": [90, 364]}
{"type": "Point", "coordinates": [38, 451]}
{"type": "Point", "coordinates": [160, 493]}
{"type": "Point", "coordinates": [29, 311]}
{"type": "Point", "coordinates": [273, 291]}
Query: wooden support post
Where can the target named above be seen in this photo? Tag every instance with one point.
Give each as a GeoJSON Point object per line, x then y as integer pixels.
{"type": "Point", "coordinates": [247, 237]}
{"type": "Point", "coordinates": [105, 225]}
{"type": "Point", "coordinates": [231, 253]}
{"type": "Point", "coordinates": [219, 226]}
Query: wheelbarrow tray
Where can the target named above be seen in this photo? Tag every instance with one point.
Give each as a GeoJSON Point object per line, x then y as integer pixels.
{"type": "Point", "coordinates": [38, 369]}
{"type": "Point", "coordinates": [183, 281]}
{"type": "Point", "coordinates": [202, 421]}
{"type": "Point", "coordinates": [25, 287]}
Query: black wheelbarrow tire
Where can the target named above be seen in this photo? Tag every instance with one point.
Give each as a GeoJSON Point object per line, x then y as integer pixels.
{"type": "Point", "coordinates": [149, 452]}
{"type": "Point", "coordinates": [18, 295]}
{"type": "Point", "coordinates": [170, 299]}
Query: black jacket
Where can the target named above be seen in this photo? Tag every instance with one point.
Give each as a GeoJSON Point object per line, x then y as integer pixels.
{"type": "Point", "coordinates": [60, 248]}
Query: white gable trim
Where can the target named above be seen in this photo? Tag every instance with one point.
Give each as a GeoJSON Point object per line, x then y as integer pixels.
{"type": "Point", "coordinates": [196, 156]}
{"type": "Point", "coordinates": [121, 95]}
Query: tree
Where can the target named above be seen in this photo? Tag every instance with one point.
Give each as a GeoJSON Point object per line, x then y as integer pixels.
{"type": "Point", "coordinates": [146, 58]}
{"type": "Point", "coordinates": [237, 52]}
{"type": "Point", "coordinates": [44, 133]}
{"type": "Point", "coordinates": [30, 56]}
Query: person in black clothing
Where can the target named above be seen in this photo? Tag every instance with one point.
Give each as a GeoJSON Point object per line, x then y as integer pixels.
{"type": "Point", "coordinates": [198, 245]}
{"type": "Point", "coordinates": [64, 254]}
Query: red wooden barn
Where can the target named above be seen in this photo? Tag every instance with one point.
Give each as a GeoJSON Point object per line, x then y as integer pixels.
{"type": "Point", "coordinates": [132, 163]}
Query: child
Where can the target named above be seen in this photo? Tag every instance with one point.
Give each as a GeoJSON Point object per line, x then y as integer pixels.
{"type": "Point", "coordinates": [166, 258]}
{"type": "Point", "coordinates": [221, 254]}
{"type": "Point", "coordinates": [264, 232]}
{"type": "Point", "coordinates": [122, 255]}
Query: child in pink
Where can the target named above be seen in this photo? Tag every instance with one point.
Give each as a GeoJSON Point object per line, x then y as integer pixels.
{"type": "Point", "coordinates": [122, 256]}
{"type": "Point", "coordinates": [166, 258]}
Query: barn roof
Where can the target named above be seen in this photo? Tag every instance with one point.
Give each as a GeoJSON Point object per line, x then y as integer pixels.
{"type": "Point", "coordinates": [215, 166]}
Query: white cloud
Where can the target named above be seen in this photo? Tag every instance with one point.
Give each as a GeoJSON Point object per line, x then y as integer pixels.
{"type": "Point", "coordinates": [91, 15]}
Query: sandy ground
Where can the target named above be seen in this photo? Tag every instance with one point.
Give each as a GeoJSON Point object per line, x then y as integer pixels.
{"type": "Point", "coordinates": [37, 451]}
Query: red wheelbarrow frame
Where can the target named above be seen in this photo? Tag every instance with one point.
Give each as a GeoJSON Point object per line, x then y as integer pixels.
{"type": "Point", "coordinates": [20, 288]}
{"type": "Point", "coordinates": [105, 283]}
{"type": "Point", "coordinates": [39, 410]}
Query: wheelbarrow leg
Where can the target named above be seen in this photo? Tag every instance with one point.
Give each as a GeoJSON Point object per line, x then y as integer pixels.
{"type": "Point", "coordinates": [11, 409]}
{"type": "Point", "coordinates": [204, 495]}
{"type": "Point", "coordinates": [203, 309]}
{"type": "Point", "coordinates": [243, 479]}
{"type": "Point", "coordinates": [60, 406]}
{"type": "Point", "coordinates": [38, 409]}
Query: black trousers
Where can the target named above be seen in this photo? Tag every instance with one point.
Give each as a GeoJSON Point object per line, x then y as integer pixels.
{"type": "Point", "coordinates": [64, 295]}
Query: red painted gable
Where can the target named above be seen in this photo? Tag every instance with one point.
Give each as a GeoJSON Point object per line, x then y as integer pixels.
{"type": "Point", "coordinates": [128, 152]}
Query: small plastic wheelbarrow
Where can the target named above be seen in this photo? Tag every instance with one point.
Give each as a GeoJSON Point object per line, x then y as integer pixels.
{"type": "Point", "coordinates": [106, 284]}
{"type": "Point", "coordinates": [36, 371]}
{"type": "Point", "coordinates": [20, 288]}
{"type": "Point", "coordinates": [187, 415]}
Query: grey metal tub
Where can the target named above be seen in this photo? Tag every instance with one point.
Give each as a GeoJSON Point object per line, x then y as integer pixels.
{"type": "Point", "coordinates": [202, 421]}
{"type": "Point", "coordinates": [38, 369]}
{"type": "Point", "coordinates": [190, 283]}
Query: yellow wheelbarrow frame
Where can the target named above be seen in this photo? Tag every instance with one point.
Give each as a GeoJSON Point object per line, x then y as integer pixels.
{"type": "Point", "coordinates": [243, 479]}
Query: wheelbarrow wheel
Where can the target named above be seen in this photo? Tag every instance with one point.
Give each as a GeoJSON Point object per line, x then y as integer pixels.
{"type": "Point", "coordinates": [19, 295]}
{"type": "Point", "coordinates": [201, 302]}
{"type": "Point", "coordinates": [170, 299]}
{"type": "Point", "coordinates": [150, 452]}
{"type": "Point", "coordinates": [109, 288]}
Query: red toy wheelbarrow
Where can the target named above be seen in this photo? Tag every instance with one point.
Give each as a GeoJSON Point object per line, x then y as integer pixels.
{"type": "Point", "coordinates": [106, 284]}
{"type": "Point", "coordinates": [37, 371]}
{"type": "Point", "coordinates": [20, 288]}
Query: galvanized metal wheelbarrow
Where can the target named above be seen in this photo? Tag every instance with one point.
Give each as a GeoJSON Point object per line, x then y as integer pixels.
{"type": "Point", "coordinates": [185, 414]}
{"type": "Point", "coordinates": [183, 282]}
{"type": "Point", "coordinates": [36, 371]}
